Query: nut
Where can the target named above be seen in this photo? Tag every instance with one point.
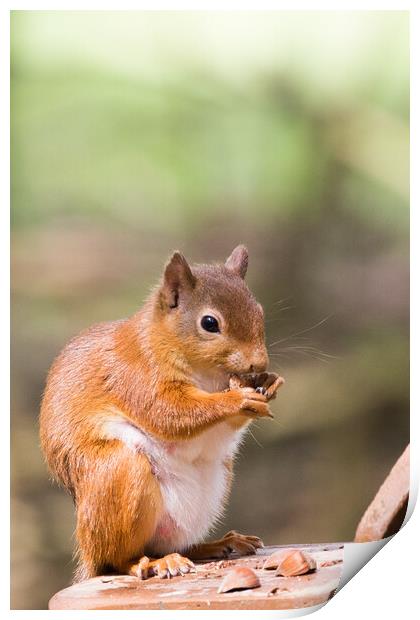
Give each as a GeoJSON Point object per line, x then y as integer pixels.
{"type": "Point", "coordinates": [296, 563]}
{"type": "Point", "coordinates": [275, 559]}
{"type": "Point", "coordinates": [266, 383]}
{"type": "Point", "coordinates": [240, 578]}
{"type": "Point", "coordinates": [235, 382]}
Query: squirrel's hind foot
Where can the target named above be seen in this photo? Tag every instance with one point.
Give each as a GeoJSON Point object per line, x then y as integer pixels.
{"type": "Point", "coordinates": [231, 542]}
{"type": "Point", "coordinates": [169, 566]}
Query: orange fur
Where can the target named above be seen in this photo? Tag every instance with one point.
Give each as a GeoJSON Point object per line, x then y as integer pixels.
{"type": "Point", "coordinates": [144, 368]}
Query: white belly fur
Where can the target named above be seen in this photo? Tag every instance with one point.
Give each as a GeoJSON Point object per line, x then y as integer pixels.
{"type": "Point", "coordinates": [192, 477]}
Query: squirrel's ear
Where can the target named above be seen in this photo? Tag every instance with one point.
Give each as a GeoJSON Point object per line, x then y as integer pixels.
{"type": "Point", "coordinates": [177, 276]}
{"type": "Point", "coordinates": [238, 261]}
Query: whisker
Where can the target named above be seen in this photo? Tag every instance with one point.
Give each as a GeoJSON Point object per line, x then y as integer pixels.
{"type": "Point", "coordinates": [307, 349]}
{"type": "Point", "coordinates": [255, 439]}
{"type": "Point", "coordinates": [311, 352]}
{"type": "Point", "coordinates": [271, 319]}
{"type": "Point", "coordinates": [280, 301]}
{"type": "Point", "coordinates": [276, 421]}
{"type": "Point", "coordinates": [306, 354]}
{"type": "Point", "coordinates": [303, 331]}
{"type": "Point", "coordinates": [271, 315]}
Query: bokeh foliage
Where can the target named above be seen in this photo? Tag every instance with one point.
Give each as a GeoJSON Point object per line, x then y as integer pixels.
{"type": "Point", "coordinates": [134, 134]}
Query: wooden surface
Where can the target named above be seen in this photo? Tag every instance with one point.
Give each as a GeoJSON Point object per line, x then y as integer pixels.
{"type": "Point", "coordinates": [199, 590]}
{"type": "Point", "coordinates": [386, 513]}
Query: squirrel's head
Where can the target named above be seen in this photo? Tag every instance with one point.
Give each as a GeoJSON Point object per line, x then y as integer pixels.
{"type": "Point", "coordinates": [212, 315]}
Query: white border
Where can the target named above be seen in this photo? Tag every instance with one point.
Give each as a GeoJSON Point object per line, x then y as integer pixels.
{"type": "Point", "coordinates": [388, 584]}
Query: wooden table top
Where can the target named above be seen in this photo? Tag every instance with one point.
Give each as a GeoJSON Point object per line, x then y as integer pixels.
{"type": "Point", "coordinates": [199, 590]}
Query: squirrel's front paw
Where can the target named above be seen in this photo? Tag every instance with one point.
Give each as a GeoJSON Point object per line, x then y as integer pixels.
{"type": "Point", "coordinates": [251, 402]}
{"type": "Point", "coordinates": [257, 407]}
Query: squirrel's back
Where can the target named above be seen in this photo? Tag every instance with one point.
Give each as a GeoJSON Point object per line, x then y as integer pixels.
{"type": "Point", "coordinates": [75, 385]}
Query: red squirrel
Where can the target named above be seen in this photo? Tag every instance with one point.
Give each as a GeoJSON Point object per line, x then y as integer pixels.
{"type": "Point", "coordinates": [141, 418]}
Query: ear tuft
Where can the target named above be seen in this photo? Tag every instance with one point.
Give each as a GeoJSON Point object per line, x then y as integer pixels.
{"type": "Point", "coordinates": [238, 261]}
{"type": "Point", "coordinates": [177, 277]}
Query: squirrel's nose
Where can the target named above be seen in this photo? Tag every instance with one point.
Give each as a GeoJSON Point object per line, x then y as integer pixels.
{"type": "Point", "coordinates": [259, 363]}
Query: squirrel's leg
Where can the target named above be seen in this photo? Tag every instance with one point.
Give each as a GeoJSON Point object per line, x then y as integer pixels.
{"type": "Point", "coordinates": [232, 541]}
{"type": "Point", "coordinates": [118, 504]}
{"type": "Point", "coordinates": [194, 410]}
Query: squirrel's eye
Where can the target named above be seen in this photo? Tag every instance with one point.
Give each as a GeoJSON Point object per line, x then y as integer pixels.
{"type": "Point", "coordinates": [210, 324]}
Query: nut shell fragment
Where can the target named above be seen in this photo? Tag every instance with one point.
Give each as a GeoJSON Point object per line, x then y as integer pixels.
{"type": "Point", "coordinates": [240, 578]}
{"type": "Point", "coordinates": [296, 563]}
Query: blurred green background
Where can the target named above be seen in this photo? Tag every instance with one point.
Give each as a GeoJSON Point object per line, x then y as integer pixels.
{"type": "Point", "coordinates": [137, 133]}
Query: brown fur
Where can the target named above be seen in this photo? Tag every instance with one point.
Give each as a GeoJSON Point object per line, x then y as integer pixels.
{"type": "Point", "coordinates": [144, 367]}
